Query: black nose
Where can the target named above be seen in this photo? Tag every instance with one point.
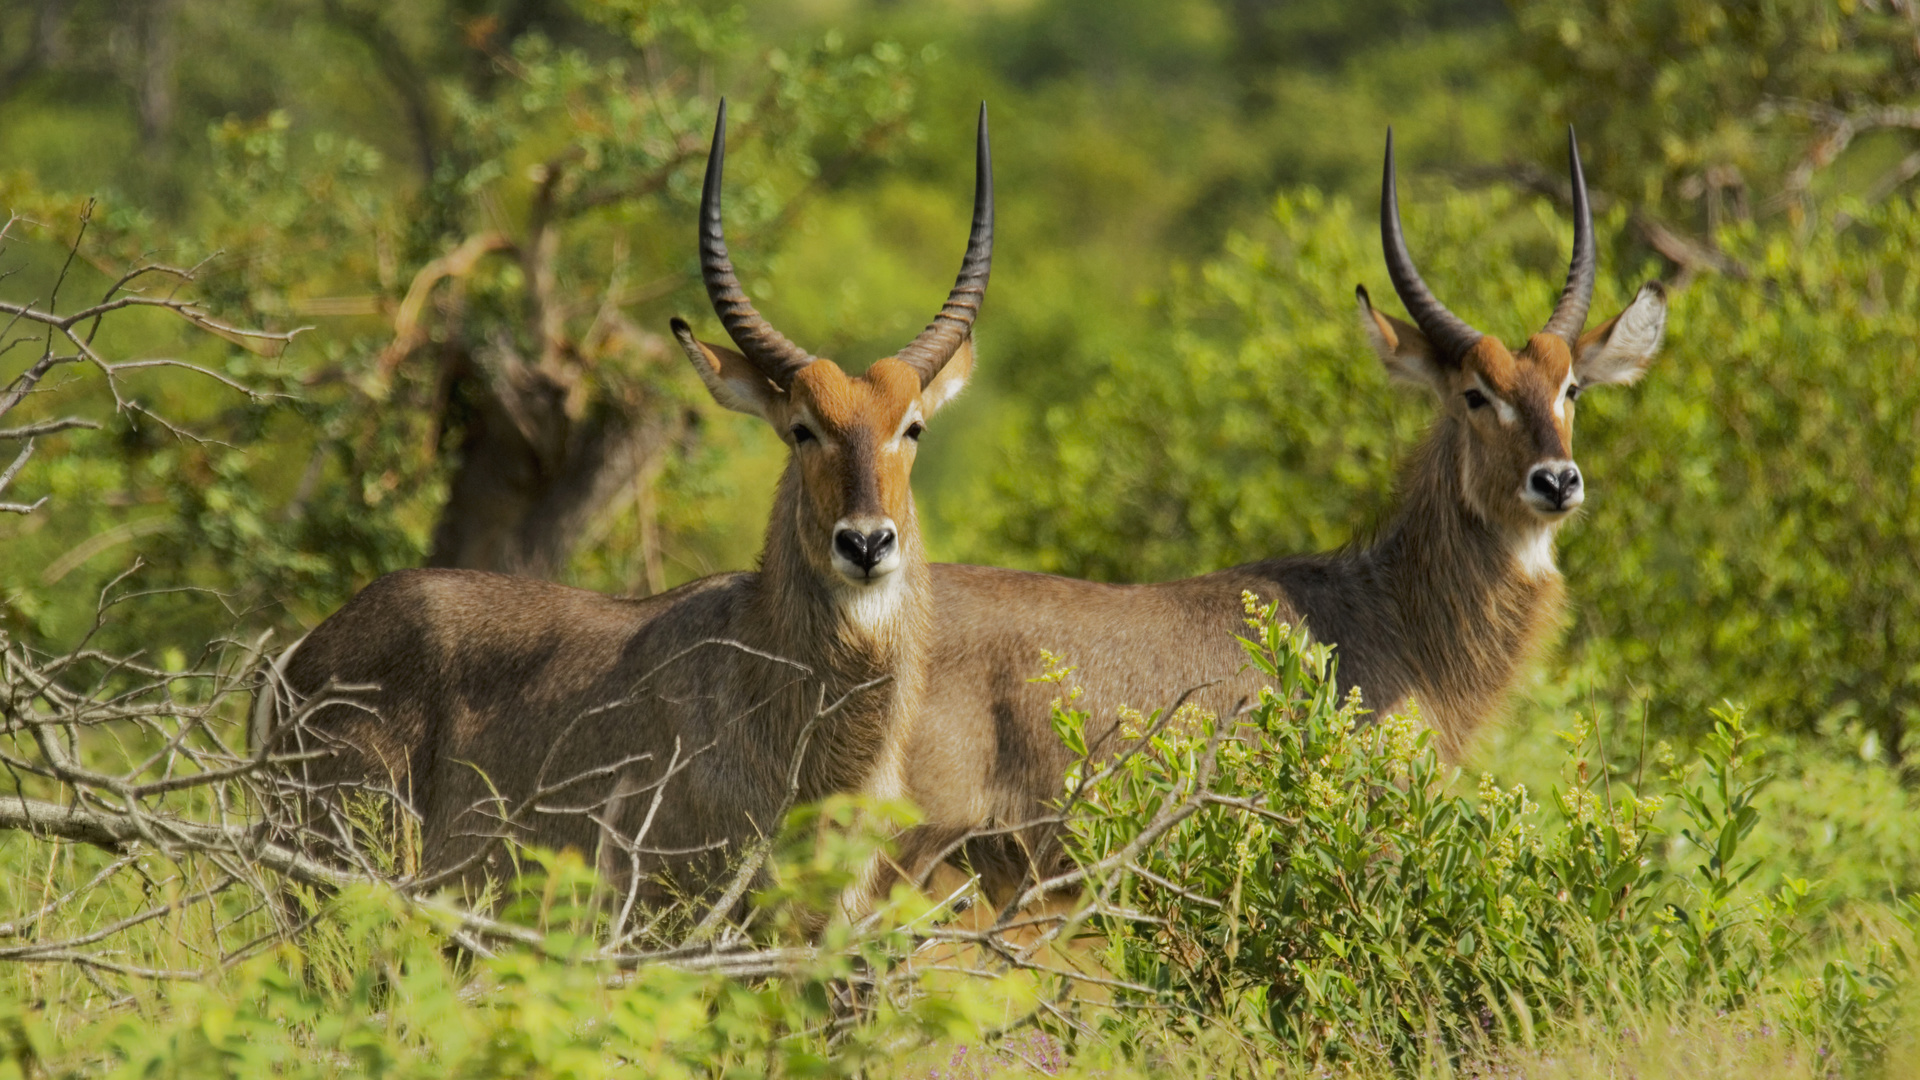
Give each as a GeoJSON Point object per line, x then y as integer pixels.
{"type": "Point", "coordinates": [1558, 485]}
{"type": "Point", "coordinates": [864, 550]}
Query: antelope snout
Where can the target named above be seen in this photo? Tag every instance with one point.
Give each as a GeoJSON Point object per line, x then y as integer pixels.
{"type": "Point", "coordinates": [865, 549]}
{"type": "Point", "coordinates": [1554, 487]}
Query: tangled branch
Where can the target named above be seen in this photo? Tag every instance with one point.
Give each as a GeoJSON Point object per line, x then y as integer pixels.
{"type": "Point", "coordinates": [69, 338]}
{"type": "Point", "coordinates": [1836, 129]}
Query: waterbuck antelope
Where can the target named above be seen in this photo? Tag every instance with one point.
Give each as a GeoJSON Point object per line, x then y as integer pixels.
{"type": "Point", "coordinates": [1448, 602]}
{"type": "Point", "coordinates": [663, 732]}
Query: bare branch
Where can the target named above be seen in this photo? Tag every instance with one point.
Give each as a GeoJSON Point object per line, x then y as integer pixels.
{"type": "Point", "coordinates": [65, 329]}
{"type": "Point", "coordinates": [48, 427]}
{"type": "Point", "coordinates": [749, 868]}
{"type": "Point", "coordinates": [408, 332]}
{"type": "Point", "coordinates": [1837, 129]}
{"type": "Point", "coordinates": [1693, 257]}
{"type": "Point", "coordinates": [12, 471]}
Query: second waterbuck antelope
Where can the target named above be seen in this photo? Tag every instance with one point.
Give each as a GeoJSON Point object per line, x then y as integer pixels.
{"type": "Point", "coordinates": [1448, 602]}
{"type": "Point", "coordinates": [665, 733]}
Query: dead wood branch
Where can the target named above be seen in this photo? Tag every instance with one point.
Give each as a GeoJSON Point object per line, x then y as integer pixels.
{"type": "Point", "coordinates": [68, 338]}
{"type": "Point", "coordinates": [1835, 131]}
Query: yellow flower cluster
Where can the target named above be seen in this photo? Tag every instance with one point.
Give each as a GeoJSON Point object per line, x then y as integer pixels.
{"type": "Point", "coordinates": [1321, 793]}
{"type": "Point", "coordinates": [1254, 839]}
{"type": "Point", "coordinates": [1489, 790]}
{"type": "Point", "coordinates": [1258, 614]}
{"type": "Point", "coordinates": [1580, 805]}
{"type": "Point", "coordinates": [1509, 908]}
{"type": "Point", "coordinates": [1058, 671]}
{"type": "Point", "coordinates": [1581, 731]}
{"type": "Point", "coordinates": [1192, 720]}
{"type": "Point", "coordinates": [1521, 833]}
{"type": "Point", "coordinates": [1630, 812]}
{"type": "Point", "coordinates": [1400, 733]}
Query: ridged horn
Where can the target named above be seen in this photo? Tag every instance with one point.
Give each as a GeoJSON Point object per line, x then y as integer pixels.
{"type": "Point", "coordinates": [1449, 335]}
{"type": "Point", "coordinates": [930, 352]}
{"type": "Point", "coordinates": [1570, 314]}
{"type": "Point", "coordinates": [766, 348]}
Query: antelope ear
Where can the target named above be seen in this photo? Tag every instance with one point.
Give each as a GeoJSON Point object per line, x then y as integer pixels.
{"type": "Point", "coordinates": [1402, 347]}
{"type": "Point", "coordinates": [1618, 350]}
{"type": "Point", "coordinates": [952, 379]}
{"type": "Point", "coordinates": [732, 380]}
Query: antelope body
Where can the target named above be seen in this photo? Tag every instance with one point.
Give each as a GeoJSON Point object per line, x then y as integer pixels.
{"type": "Point", "coordinates": [665, 732]}
{"type": "Point", "coordinates": [1449, 601]}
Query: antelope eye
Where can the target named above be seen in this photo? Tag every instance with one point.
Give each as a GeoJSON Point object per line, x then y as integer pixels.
{"type": "Point", "coordinates": [914, 429]}
{"type": "Point", "coordinates": [1476, 399]}
{"type": "Point", "coordinates": [1573, 391]}
{"type": "Point", "coordinates": [802, 433]}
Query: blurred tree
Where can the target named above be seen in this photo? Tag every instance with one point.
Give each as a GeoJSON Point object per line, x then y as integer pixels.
{"type": "Point", "coordinates": [1700, 112]}
{"type": "Point", "coordinates": [1327, 34]}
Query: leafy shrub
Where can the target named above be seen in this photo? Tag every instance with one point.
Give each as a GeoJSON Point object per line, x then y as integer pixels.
{"type": "Point", "coordinates": [1296, 880]}
{"type": "Point", "coordinates": [390, 1000]}
{"type": "Point", "coordinates": [1760, 546]}
{"type": "Point", "coordinates": [1325, 887]}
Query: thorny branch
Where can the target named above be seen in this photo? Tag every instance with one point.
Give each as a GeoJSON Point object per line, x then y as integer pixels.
{"type": "Point", "coordinates": [156, 768]}
{"type": "Point", "coordinates": [68, 338]}
{"type": "Point", "coordinates": [1835, 130]}
{"type": "Point", "coordinates": [1690, 255]}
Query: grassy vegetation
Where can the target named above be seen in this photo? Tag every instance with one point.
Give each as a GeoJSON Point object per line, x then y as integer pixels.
{"type": "Point", "coordinates": [1292, 893]}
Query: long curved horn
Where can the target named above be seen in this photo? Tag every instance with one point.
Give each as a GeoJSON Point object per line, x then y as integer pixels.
{"type": "Point", "coordinates": [768, 349]}
{"type": "Point", "coordinates": [1450, 337]}
{"type": "Point", "coordinates": [1570, 314]}
{"type": "Point", "coordinates": [930, 352]}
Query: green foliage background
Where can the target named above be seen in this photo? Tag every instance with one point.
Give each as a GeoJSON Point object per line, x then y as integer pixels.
{"type": "Point", "coordinates": [1171, 375]}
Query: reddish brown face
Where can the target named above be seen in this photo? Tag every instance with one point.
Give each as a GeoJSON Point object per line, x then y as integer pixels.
{"type": "Point", "coordinates": [1518, 429]}
{"type": "Point", "coordinates": [853, 440]}
{"type": "Point", "coordinates": [1515, 410]}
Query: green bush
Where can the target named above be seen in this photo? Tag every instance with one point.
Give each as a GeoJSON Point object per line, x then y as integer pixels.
{"type": "Point", "coordinates": [1325, 888]}
{"type": "Point", "coordinates": [1298, 884]}
{"type": "Point", "coordinates": [1760, 516]}
{"type": "Point", "coordinates": [385, 997]}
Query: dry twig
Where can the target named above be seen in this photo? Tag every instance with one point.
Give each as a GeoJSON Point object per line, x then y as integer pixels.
{"type": "Point", "coordinates": [68, 338]}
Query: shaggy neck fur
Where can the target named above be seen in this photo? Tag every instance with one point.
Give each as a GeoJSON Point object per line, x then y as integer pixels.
{"type": "Point", "coordinates": [847, 635]}
{"type": "Point", "coordinates": [1471, 601]}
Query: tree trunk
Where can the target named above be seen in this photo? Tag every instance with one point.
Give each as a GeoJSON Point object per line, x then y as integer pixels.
{"type": "Point", "coordinates": [539, 463]}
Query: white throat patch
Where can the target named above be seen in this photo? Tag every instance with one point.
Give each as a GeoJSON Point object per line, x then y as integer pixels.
{"type": "Point", "coordinates": [1533, 553]}
{"type": "Point", "coordinates": [870, 607]}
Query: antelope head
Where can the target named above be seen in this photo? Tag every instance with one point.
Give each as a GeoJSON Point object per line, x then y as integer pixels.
{"type": "Point", "coordinates": [852, 437]}
{"type": "Point", "coordinates": [1512, 411]}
